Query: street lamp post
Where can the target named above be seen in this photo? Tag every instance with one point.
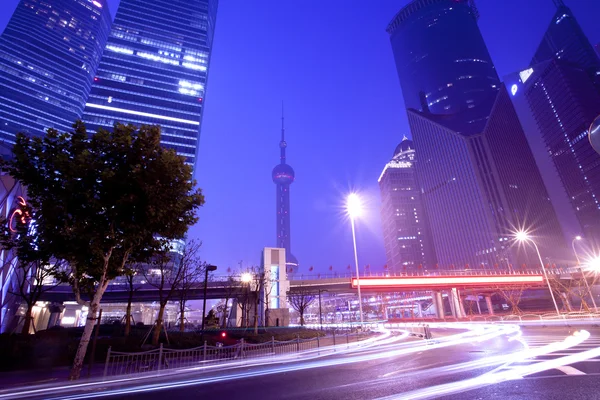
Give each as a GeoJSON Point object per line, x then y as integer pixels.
{"type": "Point", "coordinates": [206, 271]}
{"type": "Point", "coordinates": [522, 236]}
{"type": "Point", "coordinates": [354, 208]}
{"type": "Point", "coordinates": [578, 238]}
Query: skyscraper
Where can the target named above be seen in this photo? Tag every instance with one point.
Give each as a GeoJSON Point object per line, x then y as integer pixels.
{"type": "Point", "coordinates": [283, 176]}
{"type": "Point", "coordinates": [478, 178]}
{"type": "Point", "coordinates": [154, 70]}
{"type": "Point", "coordinates": [426, 35]}
{"type": "Point", "coordinates": [405, 232]}
{"type": "Point", "coordinates": [562, 100]}
{"type": "Point", "coordinates": [49, 53]}
{"type": "Point", "coordinates": [564, 39]}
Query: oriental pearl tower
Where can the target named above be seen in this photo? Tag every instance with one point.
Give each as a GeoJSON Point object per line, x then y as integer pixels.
{"type": "Point", "coordinates": [283, 176]}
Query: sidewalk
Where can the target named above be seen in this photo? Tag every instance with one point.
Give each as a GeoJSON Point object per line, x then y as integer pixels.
{"type": "Point", "coordinates": [14, 379]}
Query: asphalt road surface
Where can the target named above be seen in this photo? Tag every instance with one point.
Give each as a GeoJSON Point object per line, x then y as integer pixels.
{"type": "Point", "coordinates": [496, 368]}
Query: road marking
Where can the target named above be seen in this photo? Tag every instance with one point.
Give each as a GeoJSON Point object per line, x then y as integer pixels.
{"type": "Point", "coordinates": [570, 370]}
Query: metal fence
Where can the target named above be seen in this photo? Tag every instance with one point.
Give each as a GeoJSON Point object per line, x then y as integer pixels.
{"type": "Point", "coordinates": [122, 363]}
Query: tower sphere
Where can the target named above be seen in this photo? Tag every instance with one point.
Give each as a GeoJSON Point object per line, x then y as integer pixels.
{"type": "Point", "coordinates": [283, 174]}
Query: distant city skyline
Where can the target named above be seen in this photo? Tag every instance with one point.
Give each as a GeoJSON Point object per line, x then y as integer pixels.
{"type": "Point", "coordinates": [345, 103]}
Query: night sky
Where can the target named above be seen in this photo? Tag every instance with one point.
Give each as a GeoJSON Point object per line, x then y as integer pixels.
{"type": "Point", "coordinates": [331, 63]}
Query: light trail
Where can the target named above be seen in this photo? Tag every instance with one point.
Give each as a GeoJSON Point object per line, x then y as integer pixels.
{"type": "Point", "coordinates": [517, 372]}
{"type": "Point", "coordinates": [312, 360]}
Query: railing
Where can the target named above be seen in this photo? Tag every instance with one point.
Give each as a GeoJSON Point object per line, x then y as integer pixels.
{"type": "Point", "coordinates": [121, 363]}
{"type": "Point", "coordinates": [438, 272]}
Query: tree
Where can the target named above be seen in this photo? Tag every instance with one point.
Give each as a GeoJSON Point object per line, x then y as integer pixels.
{"type": "Point", "coordinates": [101, 201]}
{"type": "Point", "coordinates": [131, 271]}
{"type": "Point", "coordinates": [231, 287]}
{"type": "Point", "coordinates": [268, 284]}
{"type": "Point", "coordinates": [300, 299]}
{"type": "Point", "coordinates": [165, 273]}
{"type": "Point", "coordinates": [192, 269]}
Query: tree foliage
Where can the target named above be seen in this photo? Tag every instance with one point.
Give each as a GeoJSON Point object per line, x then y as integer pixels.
{"type": "Point", "coordinates": [300, 299]}
{"type": "Point", "coordinates": [100, 200]}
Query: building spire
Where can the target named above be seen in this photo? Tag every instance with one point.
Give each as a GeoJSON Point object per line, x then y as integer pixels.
{"type": "Point", "coordinates": [282, 144]}
{"type": "Point", "coordinates": [559, 3]}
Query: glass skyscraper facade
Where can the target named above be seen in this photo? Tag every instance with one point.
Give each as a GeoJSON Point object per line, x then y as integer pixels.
{"type": "Point", "coordinates": [564, 39]}
{"type": "Point", "coordinates": [477, 176]}
{"type": "Point", "coordinates": [49, 53]}
{"type": "Point", "coordinates": [457, 74]}
{"type": "Point", "coordinates": [405, 230]}
{"type": "Point", "coordinates": [154, 70]}
{"type": "Point", "coordinates": [560, 92]}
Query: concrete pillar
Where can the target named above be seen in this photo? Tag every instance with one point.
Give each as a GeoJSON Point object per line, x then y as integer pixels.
{"type": "Point", "coordinates": [438, 303]}
{"type": "Point", "coordinates": [455, 298]}
{"type": "Point", "coordinates": [461, 303]}
{"type": "Point", "coordinates": [488, 303]}
{"type": "Point", "coordinates": [55, 310]}
{"type": "Point", "coordinates": [566, 301]}
{"type": "Point", "coordinates": [419, 309]}
{"type": "Point", "coordinates": [478, 305]}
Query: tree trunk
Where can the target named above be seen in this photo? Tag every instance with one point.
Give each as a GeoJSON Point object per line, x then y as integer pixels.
{"type": "Point", "coordinates": [87, 332]}
{"type": "Point", "coordinates": [181, 317]}
{"type": "Point", "coordinates": [302, 318]}
{"type": "Point", "coordinates": [128, 317]}
{"type": "Point", "coordinates": [159, 323]}
{"type": "Point", "coordinates": [256, 315]}
{"type": "Point", "coordinates": [224, 324]}
{"type": "Point", "coordinates": [28, 320]}
{"type": "Point", "coordinates": [267, 312]}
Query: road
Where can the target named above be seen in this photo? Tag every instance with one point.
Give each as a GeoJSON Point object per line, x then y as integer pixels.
{"type": "Point", "coordinates": [481, 364]}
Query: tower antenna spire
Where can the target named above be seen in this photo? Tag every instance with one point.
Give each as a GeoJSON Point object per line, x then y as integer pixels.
{"type": "Point", "coordinates": [282, 127]}
{"type": "Point", "coordinates": [559, 3]}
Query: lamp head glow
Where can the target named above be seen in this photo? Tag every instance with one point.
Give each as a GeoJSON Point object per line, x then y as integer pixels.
{"type": "Point", "coordinates": [522, 236]}
{"type": "Point", "coordinates": [594, 264]}
{"type": "Point", "coordinates": [246, 277]}
{"type": "Point", "coordinates": [577, 237]}
{"type": "Point", "coordinates": [353, 205]}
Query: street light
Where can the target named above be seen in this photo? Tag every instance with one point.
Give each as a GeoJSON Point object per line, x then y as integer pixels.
{"type": "Point", "coordinates": [246, 277]}
{"type": "Point", "coordinates": [523, 236]}
{"type": "Point", "coordinates": [209, 268]}
{"type": "Point", "coordinates": [354, 209]}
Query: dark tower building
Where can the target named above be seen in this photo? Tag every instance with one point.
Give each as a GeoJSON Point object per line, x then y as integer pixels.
{"type": "Point", "coordinates": [154, 70]}
{"type": "Point", "coordinates": [563, 101]}
{"type": "Point", "coordinates": [405, 231]}
{"type": "Point", "coordinates": [477, 175]}
{"type": "Point", "coordinates": [49, 53]}
{"type": "Point", "coordinates": [441, 58]}
{"type": "Point", "coordinates": [283, 177]}
{"type": "Point", "coordinates": [564, 39]}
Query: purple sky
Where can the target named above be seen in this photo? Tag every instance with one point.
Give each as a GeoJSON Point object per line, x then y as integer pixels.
{"type": "Point", "coordinates": [331, 63]}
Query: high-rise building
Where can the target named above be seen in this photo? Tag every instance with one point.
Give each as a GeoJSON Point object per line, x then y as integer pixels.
{"type": "Point", "coordinates": [49, 53]}
{"type": "Point", "coordinates": [283, 176]}
{"type": "Point", "coordinates": [405, 231]}
{"type": "Point", "coordinates": [154, 70]}
{"type": "Point", "coordinates": [429, 34]}
{"type": "Point", "coordinates": [564, 39]}
{"type": "Point", "coordinates": [562, 101]}
{"type": "Point", "coordinates": [478, 178]}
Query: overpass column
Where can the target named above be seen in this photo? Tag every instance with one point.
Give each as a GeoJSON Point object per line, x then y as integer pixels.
{"type": "Point", "coordinates": [438, 303]}
{"type": "Point", "coordinates": [488, 303]}
{"type": "Point", "coordinates": [566, 301]}
{"type": "Point", "coordinates": [455, 303]}
{"type": "Point", "coordinates": [461, 302]}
